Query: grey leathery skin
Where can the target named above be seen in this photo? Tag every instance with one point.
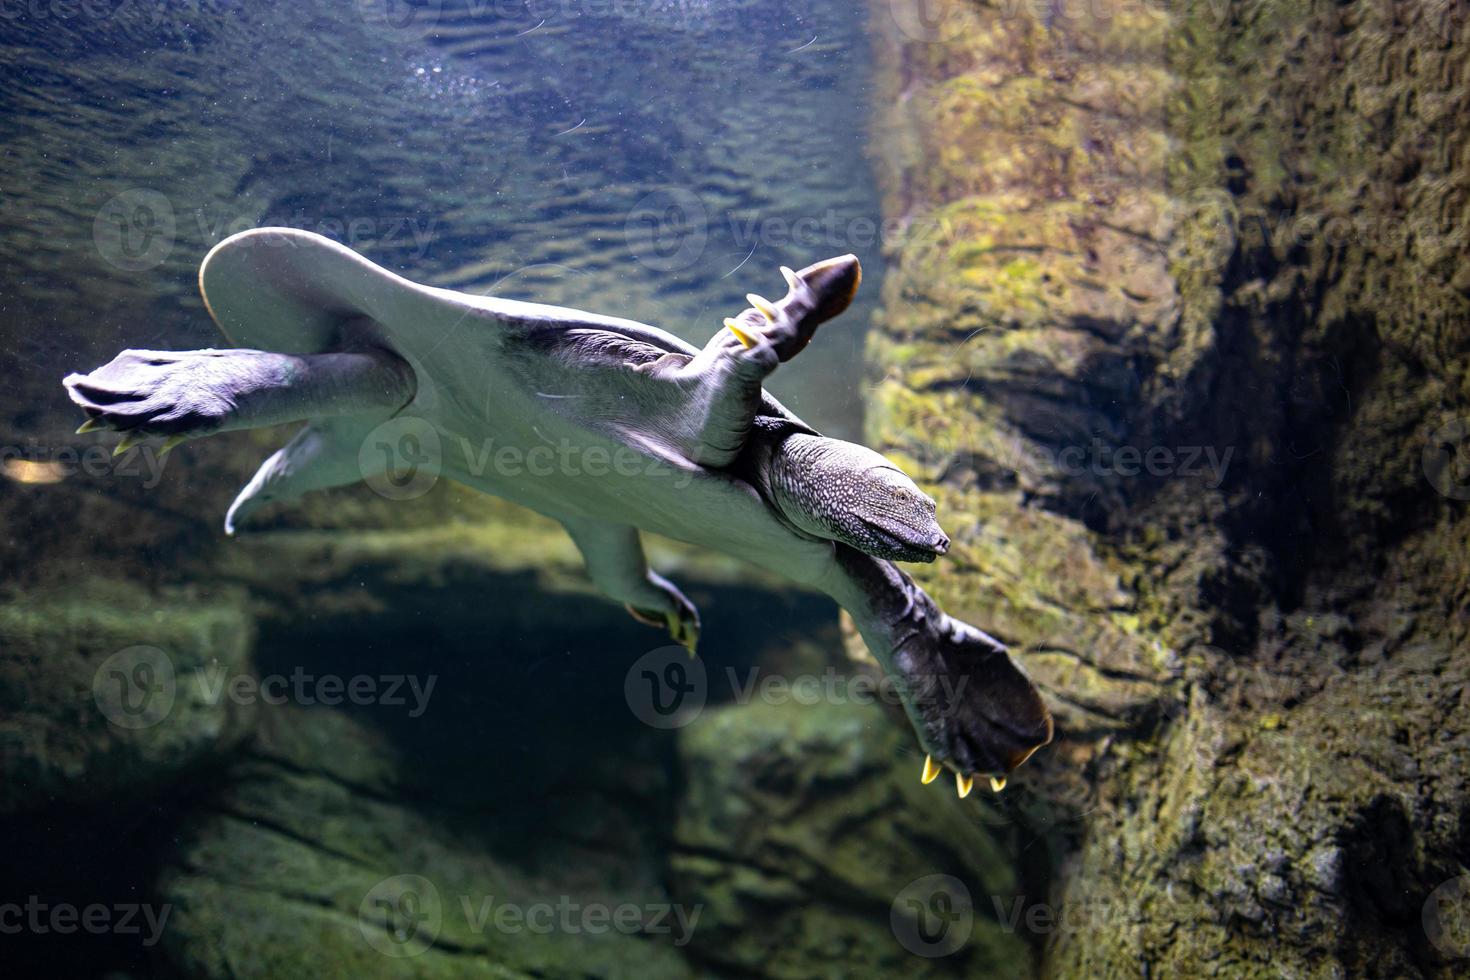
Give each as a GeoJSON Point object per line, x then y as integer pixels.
{"type": "Point", "coordinates": [699, 451]}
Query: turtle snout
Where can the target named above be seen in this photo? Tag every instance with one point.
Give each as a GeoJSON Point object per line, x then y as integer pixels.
{"type": "Point", "coordinates": [941, 543]}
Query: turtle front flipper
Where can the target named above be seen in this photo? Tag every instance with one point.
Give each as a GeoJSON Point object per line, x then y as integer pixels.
{"type": "Point", "coordinates": [615, 562]}
{"type": "Point", "coordinates": [814, 295]}
{"type": "Point", "coordinates": [722, 383]}
{"type": "Point", "coordinates": [974, 710]}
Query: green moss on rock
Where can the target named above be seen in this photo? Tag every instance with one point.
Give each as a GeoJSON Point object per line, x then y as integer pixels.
{"type": "Point", "coordinates": [111, 689]}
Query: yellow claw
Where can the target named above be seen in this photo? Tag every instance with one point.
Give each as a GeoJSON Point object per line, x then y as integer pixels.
{"type": "Point", "coordinates": [767, 310]}
{"type": "Point", "coordinates": [997, 783]}
{"type": "Point", "coordinates": [792, 282]}
{"type": "Point", "coordinates": [733, 326]}
{"type": "Point", "coordinates": [169, 444]}
{"type": "Point", "coordinates": [1019, 757]}
{"type": "Point", "coordinates": [964, 784]}
{"type": "Point", "coordinates": [129, 440]}
{"type": "Point", "coordinates": [931, 770]}
{"type": "Point", "coordinates": [91, 425]}
{"type": "Point", "coordinates": [682, 636]}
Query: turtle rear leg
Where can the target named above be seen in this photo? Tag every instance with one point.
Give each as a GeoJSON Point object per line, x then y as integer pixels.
{"type": "Point", "coordinates": [183, 394]}
{"type": "Point", "coordinates": [615, 562]}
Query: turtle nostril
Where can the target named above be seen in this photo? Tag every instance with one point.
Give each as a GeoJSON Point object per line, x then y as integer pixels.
{"type": "Point", "coordinates": [941, 544]}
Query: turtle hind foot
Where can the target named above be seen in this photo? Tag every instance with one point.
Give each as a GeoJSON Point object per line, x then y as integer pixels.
{"type": "Point", "coordinates": [180, 395]}
{"type": "Point", "coordinates": [678, 615]}
{"type": "Point", "coordinates": [141, 393]}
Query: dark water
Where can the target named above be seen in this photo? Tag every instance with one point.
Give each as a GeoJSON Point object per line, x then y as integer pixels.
{"type": "Point", "coordinates": [617, 160]}
{"type": "Point", "coordinates": [650, 161]}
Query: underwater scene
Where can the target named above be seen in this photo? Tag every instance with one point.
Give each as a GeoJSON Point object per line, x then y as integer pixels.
{"type": "Point", "coordinates": [734, 489]}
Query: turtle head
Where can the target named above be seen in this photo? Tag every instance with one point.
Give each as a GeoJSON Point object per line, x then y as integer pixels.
{"type": "Point", "coordinates": [846, 492]}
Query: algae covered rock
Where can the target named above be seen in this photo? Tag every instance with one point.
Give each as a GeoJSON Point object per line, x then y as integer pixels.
{"type": "Point", "coordinates": [1175, 333]}
{"type": "Point", "coordinates": [805, 836]}
{"type": "Point", "coordinates": [111, 689]}
{"type": "Point", "coordinates": [315, 860]}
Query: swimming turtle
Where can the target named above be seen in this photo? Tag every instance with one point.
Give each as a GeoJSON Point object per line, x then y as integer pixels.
{"type": "Point", "coordinates": [640, 431]}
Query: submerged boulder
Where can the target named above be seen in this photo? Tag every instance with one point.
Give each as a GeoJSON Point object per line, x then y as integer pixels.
{"type": "Point", "coordinates": [314, 860]}
{"type": "Point", "coordinates": [109, 689]}
{"type": "Point", "coordinates": [804, 834]}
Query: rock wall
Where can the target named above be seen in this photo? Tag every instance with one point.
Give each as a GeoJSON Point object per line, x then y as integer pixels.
{"type": "Point", "coordinates": [1175, 330]}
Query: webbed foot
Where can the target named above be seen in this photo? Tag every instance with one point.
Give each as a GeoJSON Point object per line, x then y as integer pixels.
{"type": "Point", "coordinates": [780, 330]}
{"type": "Point", "coordinates": [183, 394]}
{"type": "Point", "coordinates": [974, 710]}
{"type": "Point", "coordinates": [680, 618]}
{"type": "Point", "coordinates": [175, 394]}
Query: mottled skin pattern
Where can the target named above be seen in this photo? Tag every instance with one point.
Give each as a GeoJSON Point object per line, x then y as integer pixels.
{"type": "Point", "coordinates": [714, 459]}
{"type": "Point", "coordinates": [848, 493]}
